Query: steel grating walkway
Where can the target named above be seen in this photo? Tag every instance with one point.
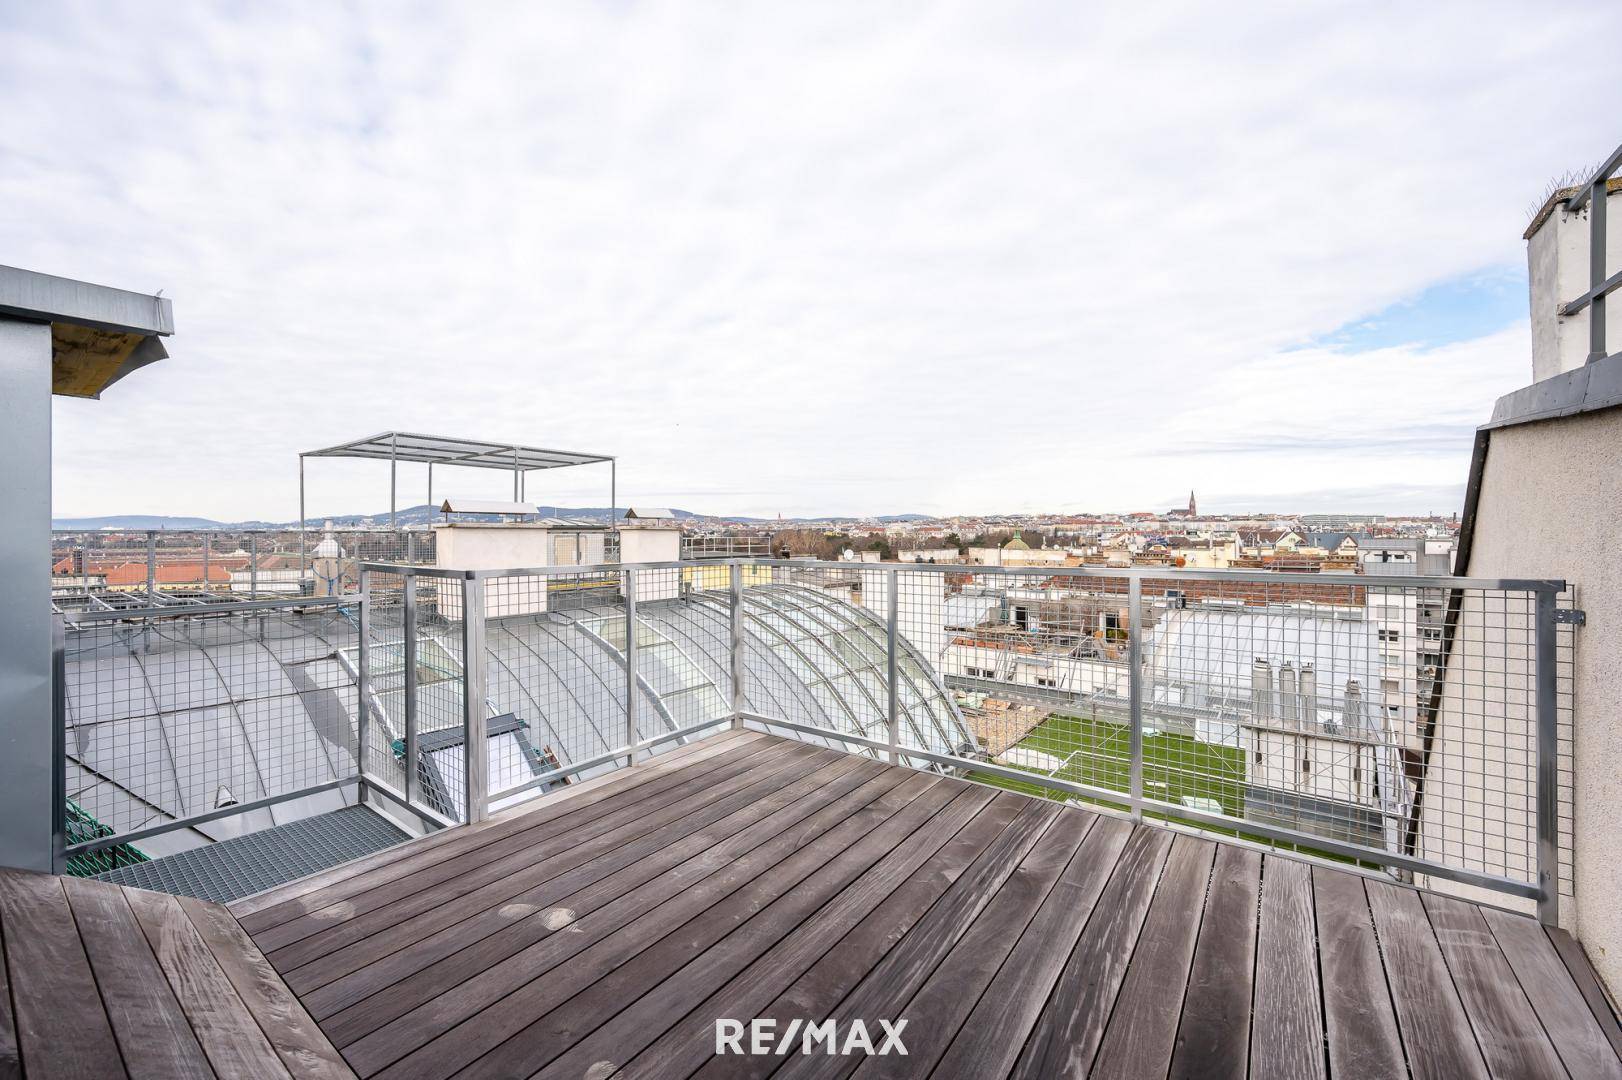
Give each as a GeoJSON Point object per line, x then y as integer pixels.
{"type": "Point", "coordinates": [244, 865]}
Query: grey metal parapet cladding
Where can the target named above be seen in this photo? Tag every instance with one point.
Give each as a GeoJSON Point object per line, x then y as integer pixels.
{"type": "Point", "coordinates": [39, 297]}
{"type": "Point", "coordinates": [1594, 386]}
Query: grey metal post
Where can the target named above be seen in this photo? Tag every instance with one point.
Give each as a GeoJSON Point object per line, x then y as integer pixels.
{"type": "Point", "coordinates": [736, 644]}
{"type": "Point", "coordinates": [59, 746]}
{"type": "Point", "coordinates": [892, 632]}
{"type": "Point", "coordinates": [408, 630]}
{"type": "Point", "coordinates": [1548, 760]}
{"type": "Point", "coordinates": [303, 548]}
{"type": "Point", "coordinates": [515, 474]}
{"type": "Point", "coordinates": [363, 667]}
{"type": "Point", "coordinates": [430, 491]}
{"type": "Point", "coordinates": [1596, 268]}
{"type": "Point", "coordinates": [613, 493]}
{"type": "Point", "coordinates": [208, 543]}
{"type": "Point", "coordinates": [253, 566]}
{"type": "Point", "coordinates": [394, 474]}
{"type": "Point", "coordinates": [631, 702]}
{"type": "Point", "coordinates": [1134, 662]}
{"type": "Point", "coordinates": [475, 741]}
{"type": "Point", "coordinates": [151, 566]}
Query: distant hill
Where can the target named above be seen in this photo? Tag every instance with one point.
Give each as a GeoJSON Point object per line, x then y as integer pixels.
{"type": "Point", "coordinates": [411, 515]}
{"type": "Point", "coordinates": [420, 514]}
{"type": "Point", "coordinates": [134, 521]}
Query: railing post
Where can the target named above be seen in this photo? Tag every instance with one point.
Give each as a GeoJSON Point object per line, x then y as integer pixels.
{"type": "Point", "coordinates": [363, 666]}
{"type": "Point", "coordinates": [475, 712]}
{"type": "Point", "coordinates": [1134, 665]}
{"type": "Point", "coordinates": [151, 568]}
{"type": "Point", "coordinates": [892, 623]}
{"type": "Point", "coordinates": [1596, 269]}
{"type": "Point", "coordinates": [736, 644]}
{"type": "Point", "coordinates": [59, 745]}
{"type": "Point", "coordinates": [630, 664]}
{"type": "Point", "coordinates": [253, 566]}
{"type": "Point", "coordinates": [1548, 761]}
{"type": "Point", "coordinates": [207, 544]}
{"type": "Point", "coordinates": [408, 631]}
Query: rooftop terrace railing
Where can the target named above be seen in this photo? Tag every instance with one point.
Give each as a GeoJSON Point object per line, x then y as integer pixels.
{"type": "Point", "coordinates": [185, 724]}
{"type": "Point", "coordinates": [1419, 725]}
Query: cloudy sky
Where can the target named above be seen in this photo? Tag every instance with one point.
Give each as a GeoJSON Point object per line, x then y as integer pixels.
{"type": "Point", "coordinates": [801, 258]}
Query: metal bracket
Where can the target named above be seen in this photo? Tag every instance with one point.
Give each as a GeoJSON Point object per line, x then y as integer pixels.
{"type": "Point", "coordinates": [1573, 616]}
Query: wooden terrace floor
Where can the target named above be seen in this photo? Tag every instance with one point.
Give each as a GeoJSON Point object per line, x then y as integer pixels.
{"type": "Point", "coordinates": [603, 931]}
{"type": "Point", "coordinates": [750, 876]}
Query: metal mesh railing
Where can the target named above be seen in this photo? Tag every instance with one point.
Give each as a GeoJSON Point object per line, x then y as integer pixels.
{"type": "Point", "coordinates": [142, 568]}
{"type": "Point", "coordinates": [203, 721]}
{"type": "Point", "coordinates": [1396, 722]}
{"type": "Point", "coordinates": [1417, 724]}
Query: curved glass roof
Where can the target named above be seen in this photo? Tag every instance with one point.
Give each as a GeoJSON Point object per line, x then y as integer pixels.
{"type": "Point", "coordinates": [167, 720]}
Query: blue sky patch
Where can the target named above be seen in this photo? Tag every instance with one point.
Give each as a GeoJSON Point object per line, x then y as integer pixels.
{"type": "Point", "coordinates": [1462, 309]}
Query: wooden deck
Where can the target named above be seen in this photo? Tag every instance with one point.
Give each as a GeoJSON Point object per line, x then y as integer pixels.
{"type": "Point", "coordinates": [605, 930]}
{"type": "Point", "coordinates": [101, 981]}
{"type": "Point", "coordinates": [752, 877]}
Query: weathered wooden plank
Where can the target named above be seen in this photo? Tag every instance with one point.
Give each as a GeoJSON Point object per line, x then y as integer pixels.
{"type": "Point", "coordinates": [296, 1038]}
{"type": "Point", "coordinates": [152, 1031]}
{"type": "Point", "coordinates": [989, 1041]}
{"type": "Point", "coordinates": [62, 1029]}
{"type": "Point", "coordinates": [572, 857]}
{"type": "Point", "coordinates": [440, 934]}
{"type": "Point", "coordinates": [301, 940]}
{"type": "Point", "coordinates": [945, 999]}
{"type": "Point", "coordinates": [1213, 1035]}
{"type": "Point", "coordinates": [805, 985]}
{"type": "Point", "coordinates": [1577, 1035]}
{"type": "Point", "coordinates": [413, 1039]}
{"type": "Point", "coordinates": [11, 1064]}
{"type": "Point", "coordinates": [887, 988]}
{"type": "Point", "coordinates": [636, 786]}
{"type": "Point", "coordinates": [1435, 1031]}
{"type": "Point", "coordinates": [1588, 984]}
{"type": "Point", "coordinates": [1506, 1026]}
{"type": "Point", "coordinates": [407, 1013]}
{"type": "Point", "coordinates": [1359, 1020]}
{"type": "Point", "coordinates": [1068, 1031]}
{"type": "Point", "coordinates": [1286, 1027]}
{"type": "Point", "coordinates": [1142, 1030]}
{"type": "Point", "coordinates": [851, 884]}
{"type": "Point", "coordinates": [229, 1035]}
{"type": "Point", "coordinates": [554, 802]}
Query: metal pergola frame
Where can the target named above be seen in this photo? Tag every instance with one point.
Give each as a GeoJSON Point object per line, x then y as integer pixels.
{"type": "Point", "coordinates": [397, 446]}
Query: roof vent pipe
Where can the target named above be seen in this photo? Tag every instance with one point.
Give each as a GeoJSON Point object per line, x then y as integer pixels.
{"type": "Point", "coordinates": [1261, 689]}
{"type": "Point", "coordinates": [1288, 701]}
{"type": "Point", "coordinates": [1354, 705]}
{"type": "Point", "coordinates": [1309, 694]}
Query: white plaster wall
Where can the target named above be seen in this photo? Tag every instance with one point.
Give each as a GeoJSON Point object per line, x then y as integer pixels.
{"type": "Point", "coordinates": [1557, 269]}
{"type": "Point", "coordinates": [1549, 507]}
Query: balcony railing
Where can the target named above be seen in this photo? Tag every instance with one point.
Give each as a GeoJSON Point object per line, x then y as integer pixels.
{"type": "Point", "coordinates": [1305, 712]}
{"type": "Point", "coordinates": [1419, 725]}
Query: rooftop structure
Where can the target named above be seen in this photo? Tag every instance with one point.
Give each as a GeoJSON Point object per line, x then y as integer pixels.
{"type": "Point", "coordinates": [395, 447]}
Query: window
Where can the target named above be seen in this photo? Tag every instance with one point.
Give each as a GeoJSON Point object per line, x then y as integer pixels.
{"type": "Point", "coordinates": [1048, 681]}
{"type": "Point", "coordinates": [1391, 635]}
{"type": "Point", "coordinates": [980, 673]}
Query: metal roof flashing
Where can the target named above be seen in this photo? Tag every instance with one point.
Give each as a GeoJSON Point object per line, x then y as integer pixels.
{"type": "Point", "coordinates": [1594, 386]}
{"type": "Point", "coordinates": [98, 334]}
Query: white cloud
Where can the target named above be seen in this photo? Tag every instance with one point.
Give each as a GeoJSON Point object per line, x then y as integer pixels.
{"type": "Point", "coordinates": [787, 258]}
